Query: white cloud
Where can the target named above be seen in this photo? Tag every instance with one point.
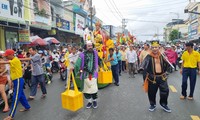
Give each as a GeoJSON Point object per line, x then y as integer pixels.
{"type": "Point", "coordinates": [148, 10]}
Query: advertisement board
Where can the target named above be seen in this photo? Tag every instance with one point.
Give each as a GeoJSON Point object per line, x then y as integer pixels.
{"type": "Point", "coordinates": [24, 36]}
{"type": "Point", "coordinates": [61, 23]}
{"type": "Point", "coordinates": [12, 9]}
{"type": "Point", "coordinates": [79, 25]}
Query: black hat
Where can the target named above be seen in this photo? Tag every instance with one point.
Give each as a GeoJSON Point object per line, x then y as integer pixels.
{"type": "Point", "coordinates": [155, 43]}
{"type": "Point", "coordinates": [189, 44]}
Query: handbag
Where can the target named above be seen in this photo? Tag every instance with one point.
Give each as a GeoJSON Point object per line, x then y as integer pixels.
{"type": "Point", "coordinates": [72, 99]}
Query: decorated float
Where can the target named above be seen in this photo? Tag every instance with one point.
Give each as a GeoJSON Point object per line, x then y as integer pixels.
{"type": "Point", "coordinates": [102, 43]}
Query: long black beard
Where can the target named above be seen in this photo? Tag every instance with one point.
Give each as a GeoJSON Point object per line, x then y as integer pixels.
{"type": "Point", "coordinates": [90, 50]}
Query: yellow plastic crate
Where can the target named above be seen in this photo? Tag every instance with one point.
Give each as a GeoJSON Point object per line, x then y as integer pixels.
{"type": "Point", "coordinates": [72, 99]}
{"type": "Point", "coordinates": [105, 77]}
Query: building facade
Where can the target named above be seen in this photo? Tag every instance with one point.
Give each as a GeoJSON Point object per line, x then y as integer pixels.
{"type": "Point", "coordinates": [193, 21]}
{"type": "Point", "coordinates": [20, 19]}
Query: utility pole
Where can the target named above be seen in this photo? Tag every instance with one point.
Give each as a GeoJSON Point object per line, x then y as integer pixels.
{"type": "Point", "coordinates": [123, 25]}
{"type": "Point", "coordinates": [91, 15]}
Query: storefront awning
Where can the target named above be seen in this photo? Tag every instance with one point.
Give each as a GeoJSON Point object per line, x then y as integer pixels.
{"type": "Point", "coordinates": [12, 20]}
{"type": "Point", "coordinates": [64, 30]}
{"type": "Point", "coordinates": [44, 27]}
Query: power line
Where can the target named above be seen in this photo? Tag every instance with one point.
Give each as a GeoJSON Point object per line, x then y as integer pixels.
{"type": "Point", "coordinates": [146, 21]}
{"type": "Point", "coordinates": [111, 9]}
{"type": "Point", "coordinates": [159, 4]}
{"type": "Point", "coordinates": [115, 6]}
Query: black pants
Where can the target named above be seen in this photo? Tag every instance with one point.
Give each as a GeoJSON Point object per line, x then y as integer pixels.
{"type": "Point", "coordinates": [89, 96]}
{"type": "Point", "coordinates": [120, 66]}
{"type": "Point", "coordinates": [190, 73]}
{"type": "Point", "coordinates": [164, 91]}
{"type": "Point", "coordinates": [174, 64]}
{"type": "Point", "coordinates": [123, 65]}
{"type": "Point", "coordinates": [115, 72]}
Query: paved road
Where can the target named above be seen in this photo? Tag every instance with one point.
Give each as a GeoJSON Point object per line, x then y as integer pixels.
{"type": "Point", "coordinates": [126, 102]}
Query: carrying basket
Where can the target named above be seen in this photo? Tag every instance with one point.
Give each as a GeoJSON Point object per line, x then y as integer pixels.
{"type": "Point", "coordinates": [72, 99]}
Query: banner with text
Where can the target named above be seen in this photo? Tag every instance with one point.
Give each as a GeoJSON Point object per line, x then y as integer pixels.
{"type": "Point", "coordinates": [12, 9]}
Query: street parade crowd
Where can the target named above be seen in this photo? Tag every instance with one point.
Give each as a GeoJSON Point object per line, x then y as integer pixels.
{"type": "Point", "coordinates": [154, 60]}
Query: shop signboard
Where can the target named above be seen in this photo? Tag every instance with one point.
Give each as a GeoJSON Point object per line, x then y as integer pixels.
{"type": "Point", "coordinates": [24, 36]}
{"type": "Point", "coordinates": [61, 23]}
{"type": "Point", "coordinates": [79, 24]}
{"type": "Point", "coordinates": [13, 9]}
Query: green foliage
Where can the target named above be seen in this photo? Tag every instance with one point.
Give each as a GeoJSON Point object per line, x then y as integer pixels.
{"type": "Point", "coordinates": [174, 35]}
{"type": "Point", "coordinates": [41, 12]}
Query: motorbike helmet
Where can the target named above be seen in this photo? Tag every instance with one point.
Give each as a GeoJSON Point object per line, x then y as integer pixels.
{"type": "Point", "coordinates": [40, 52]}
{"type": "Point", "coordinates": [54, 51]}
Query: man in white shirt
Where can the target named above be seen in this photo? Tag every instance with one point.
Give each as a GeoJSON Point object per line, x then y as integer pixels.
{"type": "Point", "coordinates": [131, 59]}
{"type": "Point", "coordinates": [72, 59]}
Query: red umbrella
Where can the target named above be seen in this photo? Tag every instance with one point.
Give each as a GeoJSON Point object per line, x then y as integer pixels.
{"type": "Point", "coordinates": [52, 40]}
{"type": "Point", "coordinates": [36, 40]}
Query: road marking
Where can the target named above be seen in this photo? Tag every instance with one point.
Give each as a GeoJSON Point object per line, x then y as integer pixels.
{"type": "Point", "coordinates": [195, 117]}
{"type": "Point", "coordinates": [173, 89]}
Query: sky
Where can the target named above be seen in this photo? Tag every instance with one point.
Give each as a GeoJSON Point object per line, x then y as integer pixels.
{"type": "Point", "coordinates": [157, 12]}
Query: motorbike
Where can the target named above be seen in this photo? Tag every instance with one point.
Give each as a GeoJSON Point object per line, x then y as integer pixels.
{"type": "Point", "coordinates": [54, 67]}
{"type": "Point", "coordinates": [27, 76]}
{"type": "Point", "coordinates": [63, 70]}
{"type": "Point", "coordinates": [179, 61]}
{"type": "Point", "coordinates": [48, 75]}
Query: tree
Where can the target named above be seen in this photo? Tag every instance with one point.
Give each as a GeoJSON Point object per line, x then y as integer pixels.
{"type": "Point", "coordinates": [174, 35]}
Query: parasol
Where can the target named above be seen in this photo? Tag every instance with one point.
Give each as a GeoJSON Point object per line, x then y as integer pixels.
{"type": "Point", "coordinates": [52, 40]}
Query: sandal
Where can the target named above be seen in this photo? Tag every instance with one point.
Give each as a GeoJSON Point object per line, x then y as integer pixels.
{"type": "Point", "coordinates": [6, 110]}
{"type": "Point", "coordinates": [24, 110]}
{"type": "Point", "coordinates": [30, 98]}
{"type": "Point", "coordinates": [182, 97]}
{"type": "Point", "coordinates": [8, 118]}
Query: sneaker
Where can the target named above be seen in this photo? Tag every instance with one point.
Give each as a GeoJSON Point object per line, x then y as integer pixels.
{"type": "Point", "coordinates": [117, 84]}
{"type": "Point", "coordinates": [49, 82]}
{"type": "Point", "coordinates": [89, 105]}
{"type": "Point", "coordinates": [152, 108]}
{"type": "Point", "coordinates": [166, 108]}
{"type": "Point", "coordinates": [95, 104]}
{"type": "Point", "coordinates": [190, 98]}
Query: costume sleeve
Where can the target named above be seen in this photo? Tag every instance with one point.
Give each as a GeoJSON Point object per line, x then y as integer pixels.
{"type": "Point", "coordinates": [145, 63]}
{"type": "Point", "coordinates": [77, 66]}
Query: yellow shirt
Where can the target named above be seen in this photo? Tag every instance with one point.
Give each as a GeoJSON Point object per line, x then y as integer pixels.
{"type": "Point", "coordinates": [66, 59]}
{"type": "Point", "coordinates": [190, 60]}
{"type": "Point", "coordinates": [123, 55]}
{"type": "Point", "coordinates": [15, 68]}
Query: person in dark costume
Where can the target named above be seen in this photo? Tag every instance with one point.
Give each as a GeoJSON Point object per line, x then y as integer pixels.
{"type": "Point", "coordinates": [156, 65]}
